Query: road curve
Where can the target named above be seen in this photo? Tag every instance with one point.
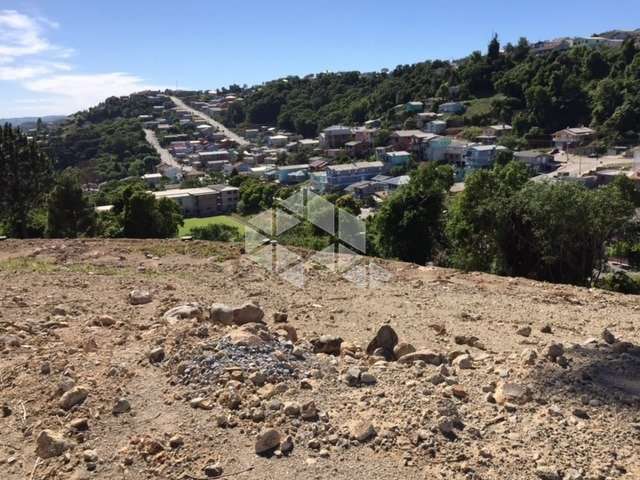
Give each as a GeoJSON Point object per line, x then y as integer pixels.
{"type": "Point", "coordinates": [229, 134]}
{"type": "Point", "coordinates": [165, 155]}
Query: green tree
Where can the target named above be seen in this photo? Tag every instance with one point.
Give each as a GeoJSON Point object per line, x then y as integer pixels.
{"type": "Point", "coordinates": [408, 226]}
{"type": "Point", "coordinates": [69, 214]}
{"type": "Point", "coordinates": [493, 52]}
{"type": "Point", "coordinates": [25, 180]}
{"type": "Point", "coordinates": [216, 232]}
{"type": "Point", "coordinates": [143, 216]}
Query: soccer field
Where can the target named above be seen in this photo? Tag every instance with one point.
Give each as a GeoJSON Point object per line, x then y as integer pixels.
{"type": "Point", "coordinates": [190, 223]}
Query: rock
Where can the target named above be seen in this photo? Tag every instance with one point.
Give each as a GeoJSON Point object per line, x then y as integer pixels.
{"type": "Point", "coordinates": [220, 313]}
{"type": "Point", "coordinates": [267, 440]}
{"type": "Point", "coordinates": [79, 424]}
{"type": "Point", "coordinates": [463, 362]}
{"type": "Point", "coordinates": [185, 312]}
{"type": "Point", "coordinates": [289, 332]}
{"type": "Point", "coordinates": [50, 444]}
{"type": "Point", "coordinates": [529, 356]}
{"type": "Point", "coordinates": [546, 329]}
{"type": "Point", "coordinates": [553, 351]}
{"type": "Point", "coordinates": [608, 337]}
{"type": "Point", "coordinates": [122, 405]}
{"type": "Point", "coordinates": [362, 430]}
{"type": "Point", "coordinates": [139, 297]}
{"type": "Point", "coordinates": [90, 456]}
{"type": "Point", "coordinates": [104, 321]}
{"type": "Point", "coordinates": [291, 409]}
{"type": "Point", "coordinates": [243, 337]}
{"type": "Point", "coordinates": [547, 473]}
{"type": "Point", "coordinates": [524, 331]}
{"type": "Point", "coordinates": [229, 399]}
{"type": "Point", "coordinates": [352, 376]}
{"type": "Point", "coordinates": [511, 393]}
{"type": "Point", "coordinates": [386, 338]}
{"type": "Point", "coordinates": [308, 410]}
{"type": "Point", "coordinates": [458, 391]}
{"type": "Point", "coordinates": [45, 368]}
{"type": "Point", "coordinates": [72, 397]}
{"type": "Point", "coordinates": [286, 446]}
{"type": "Point", "coordinates": [580, 413]}
{"type": "Point", "coordinates": [328, 344]}
{"type": "Point", "coordinates": [402, 349]}
{"type": "Point", "coordinates": [258, 378]}
{"type": "Point", "coordinates": [446, 426]}
{"type": "Point", "coordinates": [247, 313]}
{"type": "Point", "coordinates": [280, 317]}
{"type": "Point", "coordinates": [213, 470]}
{"type": "Point", "coordinates": [156, 355]}
{"type": "Point", "coordinates": [368, 378]}
{"type": "Point", "coordinates": [201, 403]}
{"type": "Point", "coordinates": [176, 442]}
{"type": "Point", "coordinates": [426, 356]}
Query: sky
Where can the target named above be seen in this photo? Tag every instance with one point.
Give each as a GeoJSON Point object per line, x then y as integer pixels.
{"type": "Point", "coordinates": [61, 56]}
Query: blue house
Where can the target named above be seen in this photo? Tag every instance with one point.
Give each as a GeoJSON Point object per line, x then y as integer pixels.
{"type": "Point", "coordinates": [291, 174]}
{"type": "Point", "coordinates": [397, 159]}
{"type": "Point", "coordinates": [482, 156]}
{"type": "Point", "coordinates": [338, 177]}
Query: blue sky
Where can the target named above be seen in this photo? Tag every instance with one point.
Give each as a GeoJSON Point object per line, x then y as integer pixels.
{"type": "Point", "coordinates": [58, 56]}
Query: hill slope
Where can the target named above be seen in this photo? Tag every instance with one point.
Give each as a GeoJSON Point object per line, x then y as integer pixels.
{"type": "Point", "coordinates": [66, 321]}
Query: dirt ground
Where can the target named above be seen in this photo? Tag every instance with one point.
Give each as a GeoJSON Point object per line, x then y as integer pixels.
{"type": "Point", "coordinates": [560, 400]}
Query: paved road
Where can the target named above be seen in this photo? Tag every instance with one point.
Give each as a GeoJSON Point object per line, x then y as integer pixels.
{"type": "Point", "coordinates": [576, 165]}
{"type": "Point", "coordinates": [231, 135]}
{"type": "Point", "coordinates": [165, 155]}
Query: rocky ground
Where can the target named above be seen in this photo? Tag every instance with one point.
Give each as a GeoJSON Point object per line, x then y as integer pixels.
{"type": "Point", "coordinates": [185, 360]}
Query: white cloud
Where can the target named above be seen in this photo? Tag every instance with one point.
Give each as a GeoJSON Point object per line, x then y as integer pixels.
{"type": "Point", "coordinates": [33, 62]}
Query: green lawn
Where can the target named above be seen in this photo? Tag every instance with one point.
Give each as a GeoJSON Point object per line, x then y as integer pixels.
{"type": "Point", "coordinates": [189, 223]}
{"type": "Point", "coordinates": [479, 106]}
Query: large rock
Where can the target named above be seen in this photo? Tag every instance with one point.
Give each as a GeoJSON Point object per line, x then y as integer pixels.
{"type": "Point", "coordinates": [386, 338]}
{"type": "Point", "coordinates": [426, 356]}
{"type": "Point", "coordinates": [463, 362]}
{"type": "Point", "coordinates": [267, 441]}
{"type": "Point", "coordinates": [50, 444]}
{"type": "Point", "coordinates": [185, 312]}
{"type": "Point", "coordinates": [244, 337]}
{"type": "Point", "coordinates": [247, 313]}
{"type": "Point", "coordinates": [402, 349]}
{"type": "Point", "coordinates": [509, 392]}
{"type": "Point", "coordinates": [220, 313]}
{"type": "Point", "coordinates": [328, 344]}
{"type": "Point", "coordinates": [73, 397]}
{"type": "Point", "coordinates": [362, 430]}
{"type": "Point", "coordinates": [139, 297]}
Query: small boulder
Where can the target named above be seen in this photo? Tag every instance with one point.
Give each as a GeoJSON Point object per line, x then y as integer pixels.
{"type": "Point", "coordinates": [509, 392]}
{"type": "Point", "coordinates": [608, 337]}
{"type": "Point", "coordinates": [267, 441]}
{"type": "Point", "coordinates": [426, 356]}
{"type": "Point", "coordinates": [328, 344]}
{"type": "Point", "coordinates": [247, 313]}
{"type": "Point", "coordinates": [73, 397]}
{"type": "Point", "coordinates": [122, 405]}
{"type": "Point", "coordinates": [220, 313]}
{"type": "Point", "coordinates": [362, 430]}
{"type": "Point", "coordinates": [386, 338]}
{"type": "Point", "coordinates": [156, 355]}
{"type": "Point", "coordinates": [308, 411]}
{"type": "Point", "coordinates": [50, 444]}
{"type": "Point", "coordinates": [139, 297]}
{"type": "Point", "coordinates": [185, 312]}
{"type": "Point", "coordinates": [280, 317]}
{"type": "Point", "coordinates": [524, 331]}
{"type": "Point", "coordinates": [554, 351]}
{"type": "Point", "coordinates": [402, 349]}
{"type": "Point", "coordinates": [463, 362]}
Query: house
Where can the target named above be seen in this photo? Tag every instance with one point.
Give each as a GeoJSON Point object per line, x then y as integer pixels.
{"type": "Point", "coordinates": [277, 141]}
{"type": "Point", "coordinates": [498, 130]}
{"type": "Point", "coordinates": [203, 201]}
{"type": "Point", "coordinates": [537, 161]}
{"type": "Point", "coordinates": [482, 156]}
{"type": "Point", "coordinates": [291, 174]}
{"type": "Point", "coordinates": [355, 148]}
{"type": "Point", "coordinates": [435, 126]}
{"type": "Point", "coordinates": [152, 179]}
{"type": "Point", "coordinates": [214, 155]}
{"type": "Point", "coordinates": [392, 184]}
{"type": "Point", "coordinates": [318, 164]}
{"type": "Point", "coordinates": [407, 140]}
{"type": "Point", "coordinates": [425, 117]}
{"type": "Point", "coordinates": [397, 159]}
{"type": "Point", "coordinates": [597, 42]}
{"type": "Point", "coordinates": [364, 189]}
{"type": "Point", "coordinates": [372, 123]}
{"type": "Point", "coordinates": [338, 177]}
{"type": "Point", "coordinates": [413, 107]}
{"type": "Point", "coordinates": [308, 144]}
{"type": "Point", "coordinates": [573, 137]}
{"type": "Point", "coordinates": [365, 135]}
{"type": "Point", "coordinates": [239, 167]}
{"type": "Point", "coordinates": [456, 108]}
{"type": "Point", "coordinates": [335, 136]}
{"type": "Point", "coordinates": [215, 165]}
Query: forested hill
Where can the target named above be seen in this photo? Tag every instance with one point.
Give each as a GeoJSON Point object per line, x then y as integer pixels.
{"type": "Point", "coordinates": [597, 86]}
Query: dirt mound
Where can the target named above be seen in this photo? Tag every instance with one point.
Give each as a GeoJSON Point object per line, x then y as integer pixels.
{"type": "Point", "coordinates": [178, 360]}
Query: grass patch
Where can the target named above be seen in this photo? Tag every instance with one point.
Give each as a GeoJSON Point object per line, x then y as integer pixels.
{"type": "Point", "coordinates": [190, 223]}
{"type": "Point", "coordinates": [26, 264]}
{"type": "Point", "coordinates": [220, 251]}
{"type": "Point", "coordinates": [480, 106]}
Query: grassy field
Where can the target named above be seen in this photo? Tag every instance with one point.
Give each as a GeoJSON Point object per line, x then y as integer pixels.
{"type": "Point", "coordinates": [480, 106]}
{"type": "Point", "coordinates": [190, 223]}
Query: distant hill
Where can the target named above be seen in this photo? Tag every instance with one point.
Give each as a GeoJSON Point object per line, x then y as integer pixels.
{"type": "Point", "coordinates": [620, 34]}
{"type": "Point", "coordinates": [28, 121]}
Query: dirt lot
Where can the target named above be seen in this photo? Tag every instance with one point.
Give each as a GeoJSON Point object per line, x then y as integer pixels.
{"type": "Point", "coordinates": [513, 379]}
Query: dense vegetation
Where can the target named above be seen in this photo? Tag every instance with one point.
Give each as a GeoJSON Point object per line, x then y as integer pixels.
{"type": "Point", "coordinates": [582, 86]}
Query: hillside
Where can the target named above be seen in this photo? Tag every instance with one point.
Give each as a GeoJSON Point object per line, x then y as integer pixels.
{"type": "Point", "coordinates": [513, 379]}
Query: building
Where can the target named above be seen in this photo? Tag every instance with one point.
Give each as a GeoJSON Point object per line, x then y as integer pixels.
{"type": "Point", "coordinates": [573, 137]}
{"type": "Point", "coordinates": [364, 189]}
{"type": "Point", "coordinates": [425, 117]}
{"type": "Point", "coordinates": [335, 136]}
{"type": "Point", "coordinates": [407, 140]}
{"type": "Point", "coordinates": [413, 107]}
{"type": "Point", "coordinates": [435, 126]}
{"type": "Point", "coordinates": [537, 161]}
{"type": "Point", "coordinates": [455, 108]}
{"type": "Point", "coordinates": [215, 155]}
{"type": "Point", "coordinates": [277, 141]}
{"type": "Point", "coordinates": [204, 201]}
{"type": "Point", "coordinates": [498, 130]}
{"type": "Point", "coordinates": [356, 148]}
{"type": "Point", "coordinates": [338, 177]}
{"type": "Point", "coordinates": [397, 159]}
{"type": "Point", "coordinates": [152, 179]}
{"type": "Point", "coordinates": [482, 156]}
{"type": "Point", "coordinates": [597, 42]}
{"type": "Point", "coordinates": [308, 144]}
{"type": "Point", "coordinates": [292, 174]}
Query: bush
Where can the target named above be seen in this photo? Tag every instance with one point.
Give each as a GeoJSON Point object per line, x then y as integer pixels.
{"type": "Point", "coordinates": [620, 282]}
{"type": "Point", "coordinates": [216, 232]}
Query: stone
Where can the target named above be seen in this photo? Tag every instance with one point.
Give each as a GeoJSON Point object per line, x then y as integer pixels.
{"type": "Point", "coordinates": [328, 344]}
{"type": "Point", "coordinates": [580, 413]}
{"type": "Point", "coordinates": [446, 426]}
{"type": "Point", "coordinates": [458, 391]}
{"type": "Point", "coordinates": [267, 441]}
{"type": "Point", "coordinates": [104, 321]}
{"type": "Point", "coordinates": [79, 424]}
{"type": "Point", "coordinates": [229, 399]}
{"type": "Point", "coordinates": [547, 473]}
{"type": "Point", "coordinates": [362, 430]}
{"type": "Point", "coordinates": [90, 456]}
{"type": "Point", "coordinates": [386, 338]}
{"type": "Point", "coordinates": [280, 317]}
{"type": "Point", "coordinates": [608, 337]}
{"type": "Point", "coordinates": [368, 378]}
{"type": "Point", "coordinates": [156, 355]}
{"type": "Point", "coordinates": [247, 313]}
{"type": "Point", "coordinates": [201, 403]}
{"type": "Point", "coordinates": [352, 376]}
{"type": "Point", "coordinates": [524, 331]}
{"type": "Point", "coordinates": [185, 312]}
{"type": "Point", "coordinates": [546, 329]}
{"type": "Point", "coordinates": [288, 331]}
{"type": "Point", "coordinates": [463, 362]}
{"type": "Point", "coordinates": [308, 410]}
{"type": "Point", "coordinates": [139, 297]}
{"type": "Point", "coordinates": [554, 350]}
{"type": "Point", "coordinates": [402, 349]}
{"type": "Point", "coordinates": [529, 356]}
{"type": "Point", "coordinates": [220, 313]}
{"type": "Point", "coordinates": [258, 378]}
{"type": "Point", "coordinates": [73, 397]}
{"type": "Point", "coordinates": [291, 409]}
{"type": "Point", "coordinates": [286, 446]}
{"type": "Point", "coordinates": [176, 442]}
{"type": "Point", "coordinates": [213, 470]}
{"type": "Point", "coordinates": [50, 444]}
{"type": "Point", "coordinates": [426, 356]}
{"type": "Point", "coordinates": [508, 392]}
{"type": "Point", "coordinates": [122, 405]}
